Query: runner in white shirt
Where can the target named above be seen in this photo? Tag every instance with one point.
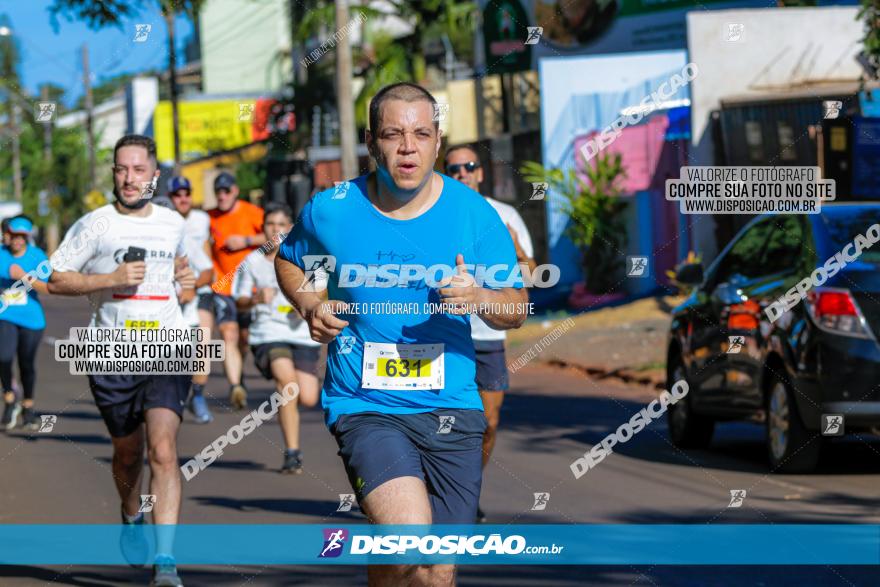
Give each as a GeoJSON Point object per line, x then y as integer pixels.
{"type": "Point", "coordinates": [463, 164]}
{"type": "Point", "coordinates": [199, 312]}
{"type": "Point", "coordinates": [132, 269]}
{"type": "Point", "coordinates": [279, 338]}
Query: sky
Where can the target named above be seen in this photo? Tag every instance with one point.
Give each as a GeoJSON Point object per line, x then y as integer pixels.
{"type": "Point", "coordinates": [47, 56]}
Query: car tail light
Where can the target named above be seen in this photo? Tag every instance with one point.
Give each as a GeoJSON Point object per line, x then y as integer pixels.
{"type": "Point", "coordinates": [836, 310]}
{"type": "Point", "coordinates": [744, 316]}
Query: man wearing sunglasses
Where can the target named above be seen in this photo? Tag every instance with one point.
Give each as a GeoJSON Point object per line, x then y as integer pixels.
{"type": "Point", "coordinates": [236, 230]}
{"type": "Point", "coordinates": [463, 164]}
{"type": "Point", "coordinates": [198, 312]}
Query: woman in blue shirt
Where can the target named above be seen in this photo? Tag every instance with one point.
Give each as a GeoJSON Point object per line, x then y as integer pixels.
{"type": "Point", "coordinates": [24, 271]}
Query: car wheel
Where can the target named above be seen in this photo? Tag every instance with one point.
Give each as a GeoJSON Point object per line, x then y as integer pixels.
{"type": "Point", "coordinates": [687, 429]}
{"type": "Point", "coordinates": [791, 448]}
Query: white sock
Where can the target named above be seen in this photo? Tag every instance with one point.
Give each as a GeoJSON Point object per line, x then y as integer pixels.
{"type": "Point", "coordinates": [138, 517]}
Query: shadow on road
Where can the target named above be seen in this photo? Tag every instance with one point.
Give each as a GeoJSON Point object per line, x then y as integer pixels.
{"type": "Point", "coordinates": [737, 446]}
{"type": "Point", "coordinates": [308, 507]}
{"type": "Point", "coordinates": [56, 437]}
{"type": "Point", "coordinates": [468, 575]}
{"type": "Point", "coordinates": [94, 415]}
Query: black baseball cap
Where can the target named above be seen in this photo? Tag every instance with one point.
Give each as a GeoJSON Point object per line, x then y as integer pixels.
{"type": "Point", "coordinates": [224, 181]}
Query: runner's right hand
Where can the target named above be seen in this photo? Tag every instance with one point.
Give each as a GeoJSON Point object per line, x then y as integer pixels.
{"type": "Point", "coordinates": [16, 272]}
{"type": "Point", "coordinates": [130, 273]}
{"type": "Point", "coordinates": [324, 326]}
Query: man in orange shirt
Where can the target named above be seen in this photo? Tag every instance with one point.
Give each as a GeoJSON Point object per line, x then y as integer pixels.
{"type": "Point", "coordinates": [236, 230]}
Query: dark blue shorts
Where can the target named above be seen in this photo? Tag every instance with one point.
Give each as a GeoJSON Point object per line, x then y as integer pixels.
{"type": "Point", "coordinates": [491, 366]}
{"type": "Point", "coordinates": [304, 358]}
{"type": "Point", "coordinates": [205, 301]}
{"type": "Point", "coordinates": [124, 399]}
{"type": "Point", "coordinates": [226, 311]}
{"type": "Point", "coordinates": [443, 448]}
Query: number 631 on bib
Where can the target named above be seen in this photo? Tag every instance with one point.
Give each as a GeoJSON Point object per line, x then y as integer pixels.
{"type": "Point", "coordinates": [406, 367]}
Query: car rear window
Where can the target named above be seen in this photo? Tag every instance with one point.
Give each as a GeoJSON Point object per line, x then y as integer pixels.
{"type": "Point", "coordinates": [844, 225]}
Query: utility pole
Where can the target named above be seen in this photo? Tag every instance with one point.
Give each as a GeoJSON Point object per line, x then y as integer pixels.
{"type": "Point", "coordinates": [297, 51]}
{"type": "Point", "coordinates": [480, 74]}
{"type": "Point", "coordinates": [344, 99]}
{"type": "Point", "coordinates": [90, 132]}
{"type": "Point", "coordinates": [172, 81]}
{"type": "Point", "coordinates": [16, 146]}
{"type": "Point", "coordinates": [52, 228]}
{"type": "Point", "coordinates": [10, 58]}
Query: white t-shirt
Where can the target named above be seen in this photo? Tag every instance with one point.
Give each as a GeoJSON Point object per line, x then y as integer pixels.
{"type": "Point", "coordinates": [275, 322]}
{"type": "Point", "coordinates": [154, 300]}
{"type": "Point", "coordinates": [199, 261]}
{"type": "Point", "coordinates": [479, 329]}
{"type": "Point", "coordinates": [197, 231]}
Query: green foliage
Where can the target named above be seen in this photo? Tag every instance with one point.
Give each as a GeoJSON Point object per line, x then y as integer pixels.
{"type": "Point", "coordinates": [69, 171]}
{"type": "Point", "coordinates": [869, 14]}
{"type": "Point", "coordinates": [250, 175]}
{"type": "Point", "coordinates": [385, 60]}
{"type": "Point", "coordinates": [691, 259]}
{"type": "Point", "coordinates": [102, 13]}
{"type": "Point", "coordinates": [595, 209]}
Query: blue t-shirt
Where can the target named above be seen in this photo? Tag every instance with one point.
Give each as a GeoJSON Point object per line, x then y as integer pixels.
{"type": "Point", "coordinates": [23, 309]}
{"type": "Point", "coordinates": [343, 223]}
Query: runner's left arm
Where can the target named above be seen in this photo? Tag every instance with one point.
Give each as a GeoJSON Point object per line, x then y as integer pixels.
{"type": "Point", "coordinates": [243, 288]}
{"type": "Point", "coordinates": [34, 282]}
{"type": "Point", "coordinates": [502, 302]}
{"type": "Point", "coordinates": [501, 309]}
{"type": "Point", "coordinates": [183, 273]}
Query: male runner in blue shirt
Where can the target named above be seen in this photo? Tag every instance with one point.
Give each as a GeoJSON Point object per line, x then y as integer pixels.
{"type": "Point", "coordinates": [399, 392]}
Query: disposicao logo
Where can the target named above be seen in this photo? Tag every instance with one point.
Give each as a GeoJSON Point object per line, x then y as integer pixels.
{"type": "Point", "coordinates": [334, 541]}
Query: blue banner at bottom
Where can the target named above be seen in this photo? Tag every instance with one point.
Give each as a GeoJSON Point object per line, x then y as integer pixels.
{"type": "Point", "coordinates": [575, 544]}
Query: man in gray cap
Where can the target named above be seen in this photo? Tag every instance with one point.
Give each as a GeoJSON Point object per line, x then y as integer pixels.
{"type": "Point", "coordinates": [236, 230]}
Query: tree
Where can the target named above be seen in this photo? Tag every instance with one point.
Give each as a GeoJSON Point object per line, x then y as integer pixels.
{"type": "Point", "coordinates": [101, 13]}
{"type": "Point", "coordinates": [69, 171]}
{"type": "Point", "coordinates": [385, 59]}
{"type": "Point", "coordinates": [869, 14]}
{"type": "Point", "coordinates": [595, 209]}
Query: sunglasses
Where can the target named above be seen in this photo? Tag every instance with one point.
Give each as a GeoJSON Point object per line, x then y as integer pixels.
{"type": "Point", "coordinates": [470, 166]}
{"type": "Point", "coordinates": [180, 194]}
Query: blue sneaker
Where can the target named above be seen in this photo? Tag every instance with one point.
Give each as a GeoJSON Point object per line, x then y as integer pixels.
{"type": "Point", "coordinates": [133, 542]}
{"type": "Point", "coordinates": [199, 408]}
{"type": "Point", "coordinates": [165, 572]}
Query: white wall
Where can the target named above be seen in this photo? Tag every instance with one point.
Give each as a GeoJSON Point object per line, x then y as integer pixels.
{"type": "Point", "coordinates": [109, 121]}
{"type": "Point", "coordinates": [780, 48]}
{"type": "Point", "coordinates": [245, 46]}
{"type": "Point", "coordinates": [142, 94]}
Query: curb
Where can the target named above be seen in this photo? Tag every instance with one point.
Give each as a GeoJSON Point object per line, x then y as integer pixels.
{"type": "Point", "coordinates": [621, 374]}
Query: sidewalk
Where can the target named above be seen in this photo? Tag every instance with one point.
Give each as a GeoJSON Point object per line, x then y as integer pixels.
{"type": "Point", "coordinates": [626, 342]}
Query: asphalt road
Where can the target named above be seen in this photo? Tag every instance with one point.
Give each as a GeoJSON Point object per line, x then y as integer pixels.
{"type": "Point", "coordinates": [550, 417]}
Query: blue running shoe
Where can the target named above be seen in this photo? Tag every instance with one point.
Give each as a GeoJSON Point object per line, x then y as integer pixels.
{"type": "Point", "coordinates": [199, 408]}
{"type": "Point", "coordinates": [133, 541]}
{"type": "Point", "coordinates": [165, 572]}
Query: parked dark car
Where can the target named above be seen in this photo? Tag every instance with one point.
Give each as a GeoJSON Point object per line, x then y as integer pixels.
{"type": "Point", "coordinates": [820, 357]}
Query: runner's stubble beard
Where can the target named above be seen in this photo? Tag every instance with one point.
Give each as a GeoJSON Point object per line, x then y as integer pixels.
{"type": "Point", "coordinates": [139, 203]}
